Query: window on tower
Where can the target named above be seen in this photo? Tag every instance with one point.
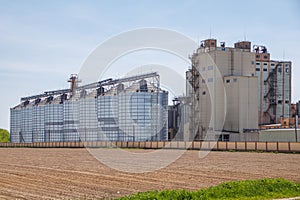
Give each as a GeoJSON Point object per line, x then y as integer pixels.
{"type": "Point", "coordinates": [287, 70]}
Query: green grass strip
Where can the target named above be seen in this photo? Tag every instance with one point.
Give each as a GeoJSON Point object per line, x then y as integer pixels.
{"type": "Point", "coordinates": [268, 188]}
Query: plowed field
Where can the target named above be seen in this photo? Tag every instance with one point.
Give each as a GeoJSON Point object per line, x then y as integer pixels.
{"type": "Point", "coordinates": [37, 173]}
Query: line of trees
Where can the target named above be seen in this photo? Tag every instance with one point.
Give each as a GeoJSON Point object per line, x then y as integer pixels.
{"type": "Point", "coordinates": [4, 135]}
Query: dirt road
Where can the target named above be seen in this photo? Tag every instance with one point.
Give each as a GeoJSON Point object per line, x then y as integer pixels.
{"type": "Point", "coordinates": [29, 173]}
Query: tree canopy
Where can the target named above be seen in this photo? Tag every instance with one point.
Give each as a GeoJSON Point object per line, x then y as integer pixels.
{"type": "Point", "coordinates": [4, 135]}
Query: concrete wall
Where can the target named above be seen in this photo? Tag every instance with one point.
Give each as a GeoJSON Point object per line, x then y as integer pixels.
{"type": "Point", "coordinates": [279, 135]}
{"type": "Point", "coordinates": [234, 62]}
{"type": "Point", "coordinates": [241, 92]}
{"type": "Point", "coordinates": [242, 137]}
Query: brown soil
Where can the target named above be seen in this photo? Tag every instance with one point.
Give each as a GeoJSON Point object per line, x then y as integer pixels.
{"type": "Point", "coordinates": [29, 173]}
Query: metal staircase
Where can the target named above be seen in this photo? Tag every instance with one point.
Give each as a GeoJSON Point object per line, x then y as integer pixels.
{"type": "Point", "coordinates": [271, 96]}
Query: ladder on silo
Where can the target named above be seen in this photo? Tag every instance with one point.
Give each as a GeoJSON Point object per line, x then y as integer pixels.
{"type": "Point", "coordinates": [21, 137]}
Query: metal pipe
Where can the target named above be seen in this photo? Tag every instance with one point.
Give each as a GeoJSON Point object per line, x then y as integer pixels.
{"type": "Point", "coordinates": [296, 121]}
{"type": "Point", "coordinates": [296, 126]}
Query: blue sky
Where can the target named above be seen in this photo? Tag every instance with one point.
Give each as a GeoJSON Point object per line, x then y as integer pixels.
{"type": "Point", "coordinates": [43, 42]}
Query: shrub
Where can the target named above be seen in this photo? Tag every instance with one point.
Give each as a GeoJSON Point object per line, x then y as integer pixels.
{"type": "Point", "coordinates": [4, 135]}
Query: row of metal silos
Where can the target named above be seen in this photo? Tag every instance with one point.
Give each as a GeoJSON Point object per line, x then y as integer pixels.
{"type": "Point", "coordinates": [117, 115]}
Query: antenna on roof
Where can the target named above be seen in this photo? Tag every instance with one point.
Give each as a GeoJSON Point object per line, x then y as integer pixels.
{"type": "Point", "coordinates": [283, 55]}
{"type": "Point", "coordinates": [245, 36]}
{"type": "Point", "coordinates": [210, 32]}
